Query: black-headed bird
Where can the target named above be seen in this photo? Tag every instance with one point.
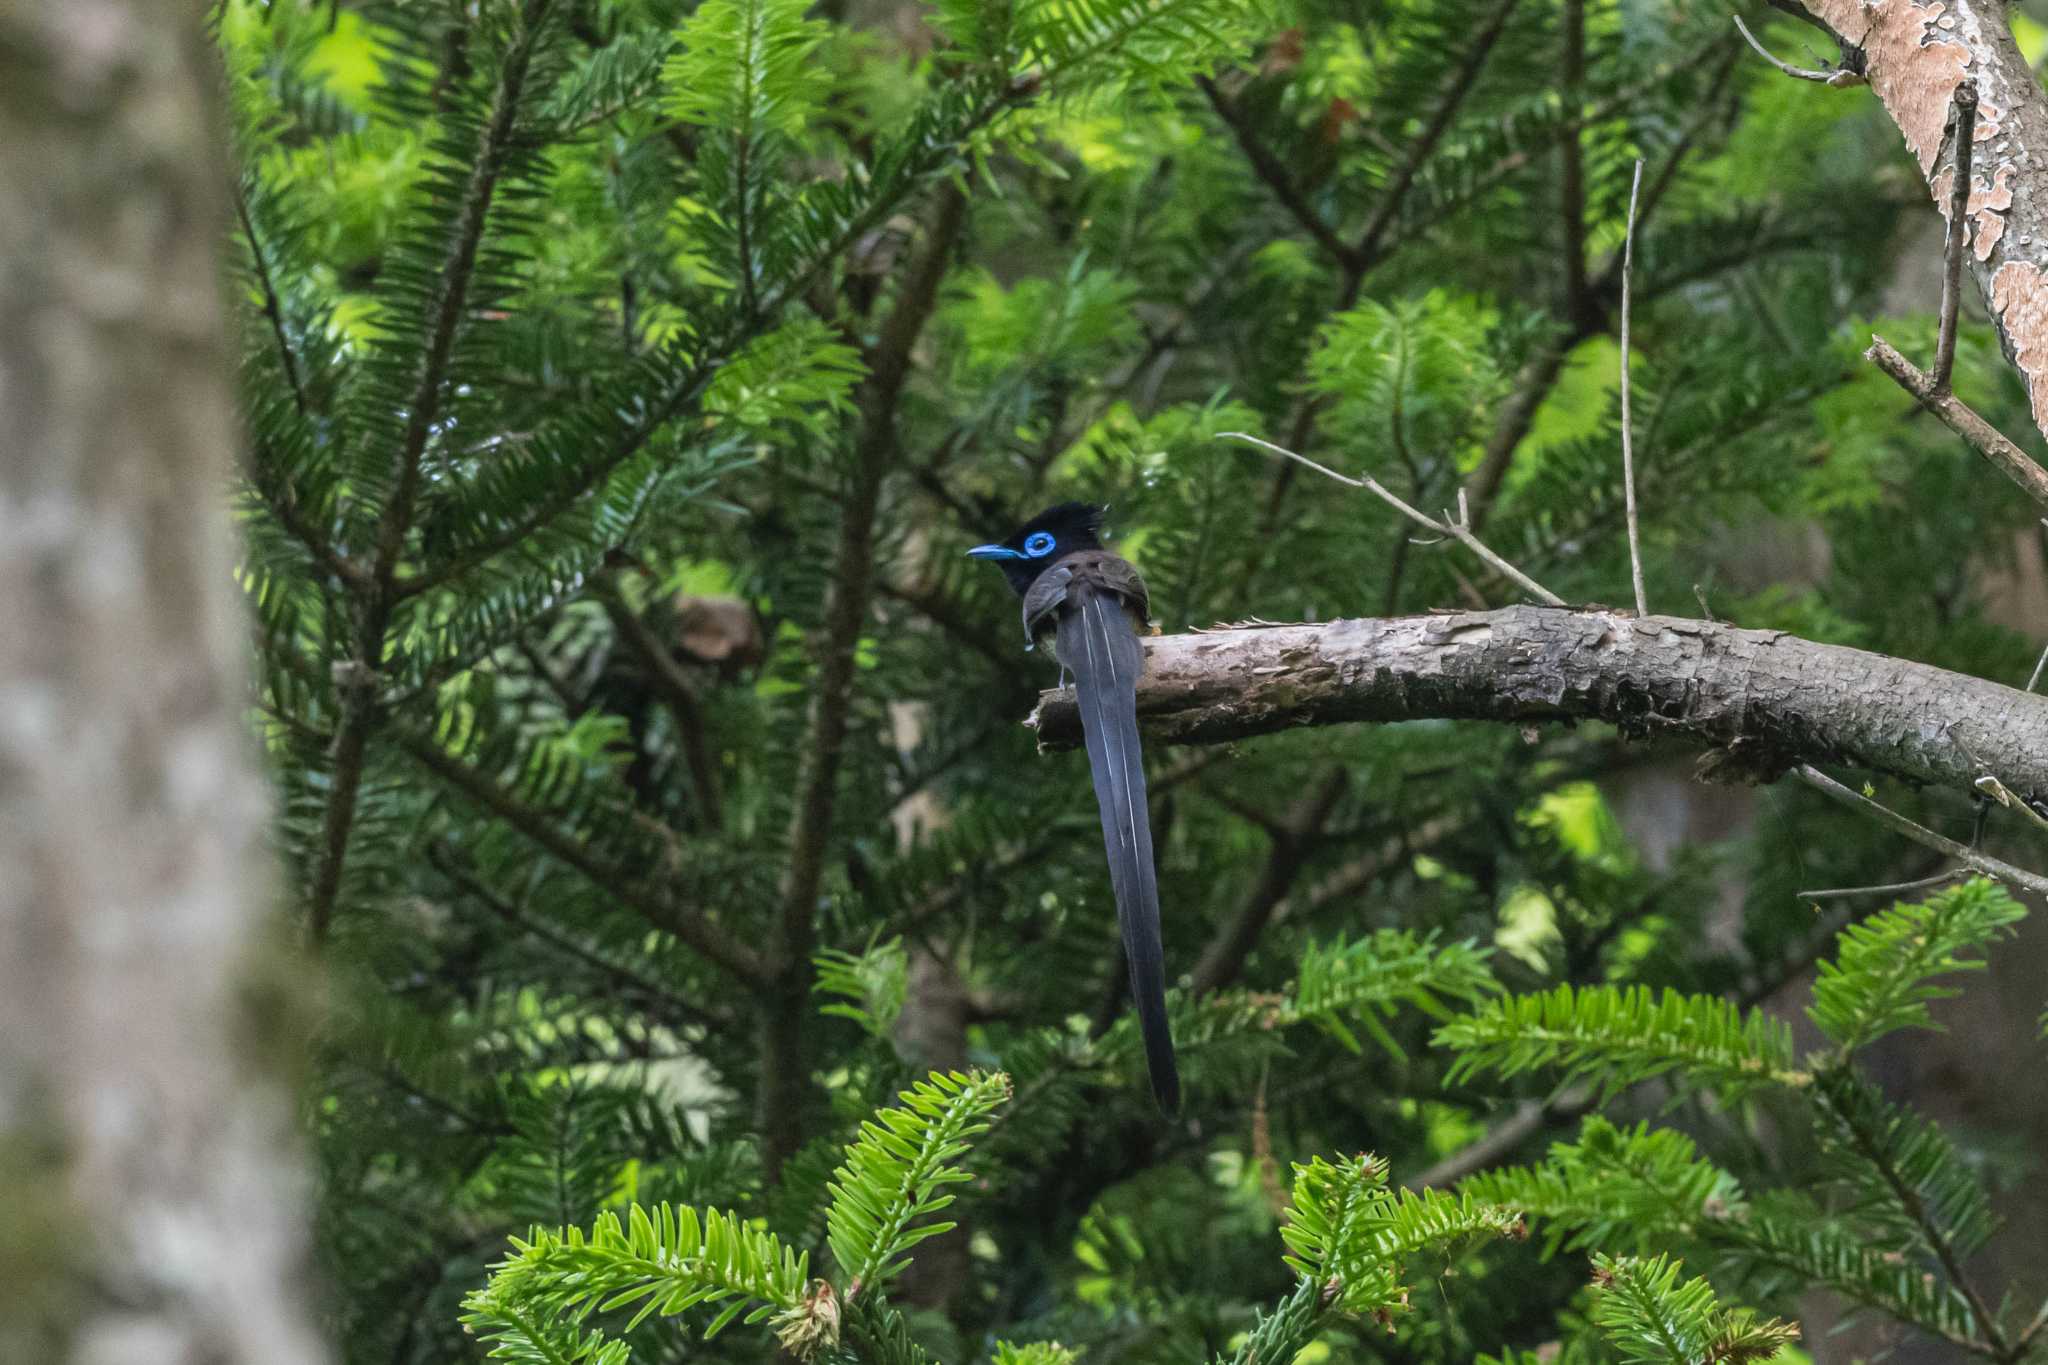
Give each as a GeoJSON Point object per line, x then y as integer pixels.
{"type": "Point", "coordinates": [1088, 606]}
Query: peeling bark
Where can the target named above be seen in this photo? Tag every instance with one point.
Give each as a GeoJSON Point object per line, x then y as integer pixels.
{"type": "Point", "coordinates": [1915, 55]}
{"type": "Point", "coordinates": [1759, 700]}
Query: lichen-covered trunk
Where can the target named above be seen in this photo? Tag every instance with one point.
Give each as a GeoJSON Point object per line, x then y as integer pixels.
{"type": "Point", "coordinates": [150, 1202]}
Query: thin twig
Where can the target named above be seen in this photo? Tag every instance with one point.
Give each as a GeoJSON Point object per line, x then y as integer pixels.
{"type": "Point", "coordinates": [1957, 416]}
{"type": "Point", "coordinates": [1920, 834]}
{"type": "Point", "coordinates": [1458, 530]}
{"type": "Point", "coordinates": [1628, 458]}
{"type": "Point", "coordinates": [2039, 664]}
{"type": "Point", "coordinates": [1836, 78]}
{"type": "Point", "coordinates": [1965, 124]}
{"type": "Point", "coordinates": [2007, 797]}
{"type": "Point", "coordinates": [1886, 889]}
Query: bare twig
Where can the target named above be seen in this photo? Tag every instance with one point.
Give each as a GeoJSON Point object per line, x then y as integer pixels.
{"type": "Point", "coordinates": [1459, 530]}
{"type": "Point", "coordinates": [2005, 796]}
{"type": "Point", "coordinates": [1628, 458]}
{"type": "Point", "coordinates": [1984, 438]}
{"type": "Point", "coordinates": [1887, 888]}
{"type": "Point", "coordinates": [1838, 78]}
{"type": "Point", "coordinates": [1920, 834]}
{"type": "Point", "coordinates": [1529, 1118]}
{"type": "Point", "coordinates": [2040, 663]}
{"type": "Point", "coordinates": [1965, 125]}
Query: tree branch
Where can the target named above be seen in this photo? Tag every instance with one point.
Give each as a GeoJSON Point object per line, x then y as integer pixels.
{"type": "Point", "coordinates": [1269, 169]}
{"type": "Point", "coordinates": [1765, 700]}
{"type": "Point", "coordinates": [1460, 85]}
{"type": "Point", "coordinates": [784, 1082]}
{"type": "Point", "coordinates": [377, 596]}
{"type": "Point", "coordinates": [1920, 834]}
{"type": "Point", "coordinates": [1837, 77]}
{"type": "Point", "coordinates": [1958, 417]}
{"type": "Point", "coordinates": [1958, 235]}
{"type": "Point", "coordinates": [712, 940]}
{"type": "Point", "coordinates": [1294, 839]}
{"type": "Point", "coordinates": [1995, 1341]}
{"type": "Point", "coordinates": [673, 687]}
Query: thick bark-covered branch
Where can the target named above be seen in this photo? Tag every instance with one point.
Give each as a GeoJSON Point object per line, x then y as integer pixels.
{"type": "Point", "coordinates": [1760, 699]}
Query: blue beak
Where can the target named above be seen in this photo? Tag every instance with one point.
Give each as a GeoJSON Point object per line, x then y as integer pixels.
{"type": "Point", "coordinates": [993, 552]}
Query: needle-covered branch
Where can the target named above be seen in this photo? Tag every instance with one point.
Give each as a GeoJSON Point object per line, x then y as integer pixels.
{"type": "Point", "coordinates": [1761, 700]}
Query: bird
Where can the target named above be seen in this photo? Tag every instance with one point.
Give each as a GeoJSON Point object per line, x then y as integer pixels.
{"type": "Point", "coordinates": [1088, 607]}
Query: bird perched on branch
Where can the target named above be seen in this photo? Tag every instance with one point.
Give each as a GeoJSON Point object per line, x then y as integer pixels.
{"type": "Point", "coordinates": [1088, 605]}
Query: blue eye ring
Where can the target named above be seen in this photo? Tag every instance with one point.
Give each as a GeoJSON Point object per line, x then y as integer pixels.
{"type": "Point", "coordinates": [1038, 544]}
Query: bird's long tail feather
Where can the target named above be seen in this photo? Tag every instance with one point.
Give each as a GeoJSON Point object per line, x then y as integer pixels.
{"type": "Point", "coordinates": [1105, 662]}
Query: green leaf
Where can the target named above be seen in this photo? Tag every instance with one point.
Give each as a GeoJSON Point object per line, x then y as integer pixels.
{"type": "Point", "coordinates": [1880, 980]}
{"type": "Point", "coordinates": [745, 67]}
{"type": "Point", "coordinates": [1655, 1319]}
{"type": "Point", "coordinates": [667, 1259]}
{"type": "Point", "coordinates": [1618, 1186]}
{"type": "Point", "coordinates": [1619, 1036]}
{"type": "Point", "coordinates": [893, 1173]}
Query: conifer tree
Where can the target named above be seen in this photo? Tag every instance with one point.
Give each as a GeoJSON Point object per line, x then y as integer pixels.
{"type": "Point", "coordinates": [623, 378]}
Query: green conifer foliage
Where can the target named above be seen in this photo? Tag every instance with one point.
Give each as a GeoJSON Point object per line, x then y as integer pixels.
{"type": "Point", "coordinates": [623, 380]}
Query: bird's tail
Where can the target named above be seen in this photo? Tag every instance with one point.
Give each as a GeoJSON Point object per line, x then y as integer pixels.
{"type": "Point", "coordinates": [1105, 663]}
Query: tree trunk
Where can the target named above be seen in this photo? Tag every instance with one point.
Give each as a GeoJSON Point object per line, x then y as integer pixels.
{"type": "Point", "coordinates": [1916, 55]}
{"type": "Point", "coordinates": [151, 1196]}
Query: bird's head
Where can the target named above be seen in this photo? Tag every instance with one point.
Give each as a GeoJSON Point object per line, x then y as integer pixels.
{"type": "Point", "coordinates": [1043, 541]}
